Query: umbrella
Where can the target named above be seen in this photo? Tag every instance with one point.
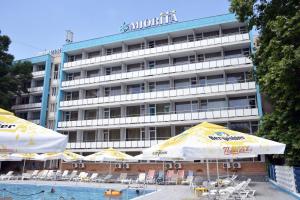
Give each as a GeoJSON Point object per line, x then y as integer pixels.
{"type": "Point", "coordinates": [20, 136]}
{"type": "Point", "coordinates": [110, 155]}
{"type": "Point", "coordinates": [26, 156]}
{"type": "Point", "coordinates": [9, 157]}
{"type": "Point", "coordinates": [67, 156]}
{"type": "Point", "coordinates": [210, 141]}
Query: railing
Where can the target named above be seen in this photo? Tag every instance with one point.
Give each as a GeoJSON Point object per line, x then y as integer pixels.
{"type": "Point", "coordinates": [113, 144]}
{"type": "Point", "coordinates": [163, 49]}
{"type": "Point", "coordinates": [38, 73]}
{"type": "Point", "coordinates": [149, 73]}
{"type": "Point", "coordinates": [165, 118]}
{"type": "Point", "coordinates": [156, 95]}
{"type": "Point", "coordinates": [35, 89]}
{"type": "Point", "coordinates": [27, 106]}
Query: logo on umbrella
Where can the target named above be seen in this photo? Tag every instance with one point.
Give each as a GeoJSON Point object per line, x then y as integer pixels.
{"type": "Point", "coordinates": [225, 136]}
{"type": "Point", "coordinates": [4, 125]}
{"type": "Point", "coordinates": [159, 152]}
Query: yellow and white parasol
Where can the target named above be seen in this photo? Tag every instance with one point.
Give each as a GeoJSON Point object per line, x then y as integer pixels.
{"type": "Point", "coordinates": [20, 136]}
{"type": "Point", "coordinates": [109, 155]}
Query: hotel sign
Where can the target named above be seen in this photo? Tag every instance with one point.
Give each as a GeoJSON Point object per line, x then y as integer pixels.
{"type": "Point", "coordinates": [164, 18]}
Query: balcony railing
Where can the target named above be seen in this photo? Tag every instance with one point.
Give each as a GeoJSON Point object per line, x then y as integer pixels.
{"type": "Point", "coordinates": [157, 95]}
{"type": "Point", "coordinates": [38, 73]}
{"type": "Point", "coordinates": [35, 89]}
{"type": "Point", "coordinates": [113, 144]}
{"type": "Point", "coordinates": [187, 68]}
{"type": "Point", "coordinates": [27, 106]}
{"type": "Point", "coordinates": [227, 113]}
{"type": "Point", "coordinates": [187, 46]}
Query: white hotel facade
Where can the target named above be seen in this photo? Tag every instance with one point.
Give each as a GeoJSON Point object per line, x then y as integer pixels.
{"type": "Point", "coordinates": [134, 89]}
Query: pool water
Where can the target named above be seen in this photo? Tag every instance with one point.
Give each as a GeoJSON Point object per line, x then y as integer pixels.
{"type": "Point", "coordinates": [30, 192]}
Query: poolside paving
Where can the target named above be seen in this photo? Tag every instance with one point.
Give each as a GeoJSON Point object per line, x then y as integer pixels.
{"type": "Point", "coordinates": [264, 190]}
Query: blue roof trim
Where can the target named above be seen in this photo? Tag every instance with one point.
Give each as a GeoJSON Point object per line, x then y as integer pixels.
{"type": "Point", "coordinates": [36, 59]}
{"type": "Point", "coordinates": [202, 22]}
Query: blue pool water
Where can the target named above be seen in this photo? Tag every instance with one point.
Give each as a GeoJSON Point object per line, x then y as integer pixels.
{"type": "Point", "coordinates": [29, 192]}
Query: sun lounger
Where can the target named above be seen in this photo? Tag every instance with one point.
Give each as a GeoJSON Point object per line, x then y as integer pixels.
{"type": "Point", "coordinates": [172, 179]}
{"type": "Point", "coordinates": [57, 175]}
{"type": "Point", "coordinates": [107, 178]}
{"type": "Point", "coordinates": [170, 174]}
{"type": "Point", "coordinates": [73, 175]}
{"type": "Point", "coordinates": [160, 177]}
{"type": "Point", "coordinates": [64, 176]}
{"type": "Point", "coordinates": [121, 178]}
{"type": "Point", "coordinates": [42, 175]}
{"type": "Point", "coordinates": [141, 178]}
{"type": "Point", "coordinates": [7, 176]}
{"type": "Point", "coordinates": [81, 177]}
{"type": "Point", "coordinates": [188, 180]}
{"type": "Point", "coordinates": [50, 175]}
{"type": "Point", "coordinates": [93, 177]}
{"type": "Point", "coordinates": [150, 177]}
{"type": "Point", "coordinates": [34, 174]}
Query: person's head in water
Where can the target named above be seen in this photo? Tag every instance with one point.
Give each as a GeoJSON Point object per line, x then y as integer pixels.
{"type": "Point", "coordinates": [137, 191]}
{"type": "Point", "coordinates": [52, 190]}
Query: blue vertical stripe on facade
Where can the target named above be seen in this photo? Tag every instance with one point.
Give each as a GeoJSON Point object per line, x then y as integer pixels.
{"type": "Point", "coordinates": [60, 95]}
{"type": "Point", "coordinates": [45, 97]}
{"type": "Point", "coordinates": [258, 95]}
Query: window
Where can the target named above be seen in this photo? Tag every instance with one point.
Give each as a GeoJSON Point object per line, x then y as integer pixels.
{"type": "Point", "coordinates": [162, 85]}
{"type": "Point", "coordinates": [71, 95]}
{"type": "Point", "coordinates": [230, 31]}
{"type": "Point", "coordinates": [135, 67]}
{"type": "Point", "coordinates": [232, 53]}
{"type": "Point", "coordinates": [90, 114]}
{"type": "Point", "coordinates": [35, 115]}
{"type": "Point", "coordinates": [74, 57]}
{"type": "Point", "coordinates": [112, 112]}
{"type": "Point", "coordinates": [89, 136]}
{"type": "Point", "coordinates": [235, 77]}
{"type": "Point", "coordinates": [134, 89]}
{"type": "Point", "coordinates": [113, 70]}
{"type": "Point", "coordinates": [112, 91]}
{"type": "Point", "coordinates": [39, 83]}
{"type": "Point", "coordinates": [212, 56]}
{"type": "Point", "coordinates": [55, 72]}
{"type": "Point", "coordinates": [182, 83]}
{"type": "Point", "coordinates": [91, 93]}
{"type": "Point", "coordinates": [24, 100]}
{"type": "Point", "coordinates": [214, 80]}
{"type": "Point", "coordinates": [212, 104]}
{"type": "Point", "coordinates": [181, 107]}
{"type": "Point", "coordinates": [134, 47]}
{"type": "Point", "coordinates": [243, 127]}
{"type": "Point", "coordinates": [180, 39]}
{"type": "Point", "coordinates": [114, 135]}
{"type": "Point", "coordinates": [70, 116]}
{"type": "Point", "coordinates": [93, 54]}
{"type": "Point", "coordinates": [181, 129]}
{"type": "Point", "coordinates": [53, 91]}
{"type": "Point", "coordinates": [181, 60]}
{"type": "Point", "coordinates": [211, 34]}
{"type": "Point", "coordinates": [132, 134]}
{"type": "Point", "coordinates": [163, 133]}
{"type": "Point", "coordinates": [22, 115]}
{"type": "Point", "coordinates": [152, 131]}
{"type": "Point", "coordinates": [133, 111]}
{"type": "Point", "coordinates": [92, 73]}
{"type": "Point", "coordinates": [73, 76]}
{"type": "Point", "coordinates": [151, 64]}
{"type": "Point", "coordinates": [37, 99]}
{"type": "Point", "coordinates": [242, 102]}
{"type": "Point", "coordinates": [72, 136]}
{"type": "Point", "coordinates": [113, 50]}
{"type": "Point", "coordinates": [162, 108]}
{"type": "Point", "coordinates": [40, 68]}
{"type": "Point", "coordinates": [254, 127]}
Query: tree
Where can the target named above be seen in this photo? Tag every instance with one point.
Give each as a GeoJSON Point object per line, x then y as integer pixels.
{"type": "Point", "coordinates": [277, 63]}
{"type": "Point", "coordinates": [13, 76]}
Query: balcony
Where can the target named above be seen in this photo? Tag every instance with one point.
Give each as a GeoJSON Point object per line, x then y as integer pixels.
{"type": "Point", "coordinates": [27, 106]}
{"type": "Point", "coordinates": [38, 74]}
{"type": "Point", "coordinates": [35, 121]}
{"type": "Point", "coordinates": [164, 119]}
{"type": "Point", "coordinates": [167, 49]}
{"type": "Point", "coordinates": [172, 94]}
{"type": "Point", "coordinates": [113, 144]}
{"type": "Point", "coordinates": [150, 73]}
{"type": "Point", "coordinates": [35, 89]}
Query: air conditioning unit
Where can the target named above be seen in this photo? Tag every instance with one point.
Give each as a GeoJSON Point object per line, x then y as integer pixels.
{"type": "Point", "coordinates": [81, 165]}
{"type": "Point", "coordinates": [178, 165]}
{"type": "Point", "coordinates": [126, 165]}
{"type": "Point", "coordinates": [169, 165]}
{"type": "Point", "coordinates": [118, 165]}
{"type": "Point", "coordinates": [74, 165]}
{"type": "Point", "coordinates": [226, 165]}
{"type": "Point", "coordinates": [236, 165]}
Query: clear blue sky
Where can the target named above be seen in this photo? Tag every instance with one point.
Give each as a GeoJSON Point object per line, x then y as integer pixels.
{"type": "Point", "coordinates": [35, 25]}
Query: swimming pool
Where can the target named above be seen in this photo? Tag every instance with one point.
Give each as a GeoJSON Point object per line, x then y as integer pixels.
{"type": "Point", "coordinates": [34, 192]}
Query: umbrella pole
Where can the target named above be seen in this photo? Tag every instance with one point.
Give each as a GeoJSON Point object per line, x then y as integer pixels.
{"type": "Point", "coordinates": [207, 170]}
{"type": "Point", "coordinates": [227, 170]}
{"type": "Point", "coordinates": [218, 175]}
{"type": "Point", "coordinates": [60, 165]}
{"type": "Point", "coordinates": [109, 167]}
{"type": "Point", "coordinates": [23, 168]}
{"type": "Point", "coordinates": [164, 172]}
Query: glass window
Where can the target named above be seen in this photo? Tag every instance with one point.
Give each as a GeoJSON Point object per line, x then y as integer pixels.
{"type": "Point", "coordinates": [213, 104]}
{"type": "Point", "coordinates": [89, 136]}
{"type": "Point", "coordinates": [152, 131]}
{"type": "Point", "coordinates": [35, 115]}
{"type": "Point", "coordinates": [90, 114]}
{"type": "Point", "coordinates": [230, 31]}
{"type": "Point", "coordinates": [182, 83]}
{"type": "Point", "coordinates": [214, 80]}
{"type": "Point", "coordinates": [91, 93]}
{"type": "Point", "coordinates": [93, 54]}
{"type": "Point", "coordinates": [243, 127]}
{"type": "Point", "coordinates": [161, 42]}
{"type": "Point", "coordinates": [92, 73]}
{"type": "Point", "coordinates": [134, 47]}
{"type": "Point", "coordinates": [132, 134]}
{"type": "Point", "coordinates": [116, 70]}
{"type": "Point", "coordinates": [133, 111]}
{"type": "Point", "coordinates": [181, 60]}
{"type": "Point", "coordinates": [37, 99]}
{"type": "Point", "coordinates": [212, 56]}
{"type": "Point", "coordinates": [179, 39]}
{"type": "Point", "coordinates": [181, 129]}
{"type": "Point", "coordinates": [254, 127]}
{"type": "Point", "coordinates": [72, 95]}
{"type": "Point", "coordinates": [112, 91]}
{"type": "Point", "coordinates": [232, 53]}
{"type": "Point", "coordinates": [115, 112]}
{"type": "Point", "coordinates": [134, 89]}
{"type": "Point", "coordinates": [162, 63]}
{"type": "Point", "coordinates": [162, 85]}
{"type": "Point", "coordinates": [24, 100]}
{"type": "Point", "coordinates": [39, 83]}
{"type": "Point", "coordinates": [163, 133]}
{"type": "Point", "coordinates": [40, 67]}
{"type": "Point", "coordinates": [182, 107]}
{"type": "Point", "coordinates": [114, 135]}
{"type": "Point", "coordinates": [135, 67]}
{"type": "Point", "coordinates": [211, 34]}
{"type": "Point", "coordinates": [162, 108]}
{"type": "Point", "coordinates": [238, 102]}
{"type": "Point", "coordinates": [235, 77]}
{"type": "Point", "coordinates": [72, 136]}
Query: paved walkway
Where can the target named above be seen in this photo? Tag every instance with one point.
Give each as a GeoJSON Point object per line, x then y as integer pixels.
{"type": "Point", "coordinates": [264, 191]}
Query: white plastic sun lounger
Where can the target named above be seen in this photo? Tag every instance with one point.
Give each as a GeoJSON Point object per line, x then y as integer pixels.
{"type": "Point", "coordinates": [81, 177]}
{"type": "Point", "coordinates": [93, 177]}
{"type": "Point", "coordinates": [141, 178]}
{"type": "Point", "coordinates": [64, 176]}
{"type": "Point", "coordinates": [43, 175]}
{"type": "Point", "coordinates": [50, 175]}
{"type": "Point", "coordinates": [73, 175]}
{"type": "Point", "coordinates": [7, 176]}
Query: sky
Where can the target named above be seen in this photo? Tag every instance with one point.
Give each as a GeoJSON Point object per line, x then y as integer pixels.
{"type": "Point", "coordinates": [35, 25]}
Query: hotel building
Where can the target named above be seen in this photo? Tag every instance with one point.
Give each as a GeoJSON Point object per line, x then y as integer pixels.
{"type": "Point", "coordinates": [134, 89]}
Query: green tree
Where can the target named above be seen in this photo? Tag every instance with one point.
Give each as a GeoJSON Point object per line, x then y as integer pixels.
{"type": "Point", "coordinates": [13, 75]}
{"type": "Point", "coordinates": [277, 63]}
